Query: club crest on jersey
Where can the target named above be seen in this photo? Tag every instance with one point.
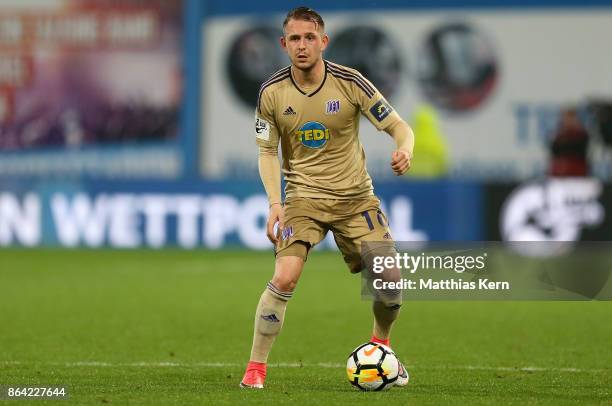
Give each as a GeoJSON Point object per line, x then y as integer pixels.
{"type": "Point", "coordinates": [332, 106]}
{"type": "Point", "coordinates": [287, 233]}
{"type": "Point", "coordinates": [313, 135]}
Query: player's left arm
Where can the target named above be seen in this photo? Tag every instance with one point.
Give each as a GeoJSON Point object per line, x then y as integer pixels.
{"type": "Point", "coordinates": [383, 116]}
{"type": "Point", "coordinates": [403, 136]}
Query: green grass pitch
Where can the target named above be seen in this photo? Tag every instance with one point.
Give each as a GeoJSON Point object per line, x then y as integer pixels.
{"type": "Point", "coordinates": [174, 328]}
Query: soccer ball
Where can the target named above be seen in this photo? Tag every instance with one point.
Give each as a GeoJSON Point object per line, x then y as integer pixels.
{"type": "Point", "coordinates": [372, 367]}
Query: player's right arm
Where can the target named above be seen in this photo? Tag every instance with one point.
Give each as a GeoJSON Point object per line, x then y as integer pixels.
{"type": "Point", "coordinates": [266, 134]}
{"type": "Point", "coordinates": [269, 171]}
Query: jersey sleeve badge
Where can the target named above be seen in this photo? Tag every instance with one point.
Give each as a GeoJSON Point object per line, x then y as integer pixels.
{"type": "Point", "coordinates": [381, 109]}
{"type": "Point", "coordinates": [262, 129]}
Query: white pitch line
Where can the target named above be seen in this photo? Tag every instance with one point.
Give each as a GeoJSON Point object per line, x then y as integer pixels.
{"type": "Point", "coordinates": [298, 365]}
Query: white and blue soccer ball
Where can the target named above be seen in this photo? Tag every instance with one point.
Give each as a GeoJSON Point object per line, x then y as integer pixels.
{"type": "Point", "coordinates": [372, 367]}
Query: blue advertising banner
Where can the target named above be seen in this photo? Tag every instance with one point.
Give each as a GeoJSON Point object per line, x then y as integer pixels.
{"type": "Point", "coordinates": [207, 214]}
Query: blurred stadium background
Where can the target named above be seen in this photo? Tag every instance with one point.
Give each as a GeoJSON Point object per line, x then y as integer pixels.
{"type": "Point", "coordinates": [128, 124]}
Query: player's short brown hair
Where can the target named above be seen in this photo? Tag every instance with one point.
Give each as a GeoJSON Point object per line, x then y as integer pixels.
{"type": "Point", "coordinates": [305, 14]}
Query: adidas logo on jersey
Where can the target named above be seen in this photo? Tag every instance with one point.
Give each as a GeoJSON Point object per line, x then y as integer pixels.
{"type": "Point", "coordinates": [289, 112]}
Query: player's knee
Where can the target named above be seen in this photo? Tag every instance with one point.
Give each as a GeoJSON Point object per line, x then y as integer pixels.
{"type": "Point", "coordinates": [288, 270]}
{"type": "Point", "coordinates": [390, 299]}
{"type": "Point", "coordinates": [285, 283]}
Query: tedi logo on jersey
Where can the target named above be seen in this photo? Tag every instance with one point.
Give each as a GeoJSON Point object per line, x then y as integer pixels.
{"type": "Point", "coordinates": [313, 135]}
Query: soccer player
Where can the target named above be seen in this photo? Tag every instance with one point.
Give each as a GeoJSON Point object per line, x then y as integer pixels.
{"type": "Point", "coordinates": [312, 108]}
